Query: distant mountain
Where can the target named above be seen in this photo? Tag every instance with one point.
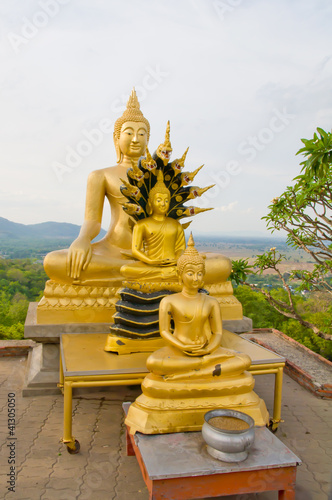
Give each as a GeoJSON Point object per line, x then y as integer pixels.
{"type": "Point", "coordinates": [45, 230]}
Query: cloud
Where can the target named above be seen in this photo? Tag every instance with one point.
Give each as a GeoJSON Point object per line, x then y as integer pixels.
{"type": "Point", "coordinates": [225, 76]}
{"type": "Point", "coordinates": [227, 208]}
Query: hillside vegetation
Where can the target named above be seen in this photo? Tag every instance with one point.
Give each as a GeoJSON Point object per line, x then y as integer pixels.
{"type": "Point", "coordinates": [23, 280]}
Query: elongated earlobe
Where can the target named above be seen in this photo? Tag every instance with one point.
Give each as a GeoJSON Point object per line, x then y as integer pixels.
{"type": "Point", "coordinates": [117, 149]}
{"type": "Point", "coordinates": [148, 208]}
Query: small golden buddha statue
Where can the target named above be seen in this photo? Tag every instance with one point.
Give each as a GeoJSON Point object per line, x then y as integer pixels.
{"type": "Point", "coordinates": [193, 373]}
{"type": "Point", "coordinates": [158, 240]}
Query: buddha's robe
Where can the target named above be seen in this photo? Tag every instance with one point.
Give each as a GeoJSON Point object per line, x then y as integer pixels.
{"type": "Point", "coordinates": [194, 330]}
{"type": "Point", "coordinates": [161, 240]}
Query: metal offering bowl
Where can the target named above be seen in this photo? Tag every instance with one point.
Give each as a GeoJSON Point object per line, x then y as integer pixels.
{"type": "Point", "coordinates": [228, 445]}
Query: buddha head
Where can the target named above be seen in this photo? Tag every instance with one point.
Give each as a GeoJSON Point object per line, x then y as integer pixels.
{"type": "Point", "coordinates": [131, 131]}
{"type": "Point", "coordinates": [191, 266]}
{"type": "Point", "coordinates": [159, 197]}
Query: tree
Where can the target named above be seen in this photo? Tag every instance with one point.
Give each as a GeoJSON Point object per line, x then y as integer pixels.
{"type": "Point", "coordinates": [304, 212]}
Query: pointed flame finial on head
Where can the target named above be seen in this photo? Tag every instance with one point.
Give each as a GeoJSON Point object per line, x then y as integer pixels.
{"type": "Point", "coordinates": [191, 242]}
{"type": "Point", "coordinates": [160, 187]}
{"type": "Point", "coordinates": [190, 256]}
{"type": "Point", "coordinates": [132, 102]}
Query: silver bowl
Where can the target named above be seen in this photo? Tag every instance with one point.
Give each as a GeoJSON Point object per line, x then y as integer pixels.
{"type": "Point", "coordinates": [228, 445]}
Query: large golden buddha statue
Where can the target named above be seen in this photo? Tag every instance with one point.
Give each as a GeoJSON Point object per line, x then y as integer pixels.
{"type": "Point", "coordinates": [99, 263]}
{"type": "Point", "coordinates": [85, 278]}
{"type": "Point", "coordinates": [193, 373]}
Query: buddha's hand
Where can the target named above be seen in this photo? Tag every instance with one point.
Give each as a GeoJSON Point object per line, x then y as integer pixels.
{"type": "Point", "coordinates": [199, 352]}
{"type": "Point", "coordinates": [161, 262]}
{"type": "Point", "coordinates": [194, 350]}
{"type": "Point", "coordinates": [78, 257]}
{"type": "Point", "coordinates": [167, 262]}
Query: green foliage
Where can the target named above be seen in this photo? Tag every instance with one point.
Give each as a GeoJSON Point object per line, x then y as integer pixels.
{"type": "Point", "coordinates": [14, 332]}
{"type": "Point", "coordinates": [319, 152]}
{"type": "Point", "coordinates": [264, 315]}
{"type": "Point", "coordinates": [240, 269]}
{"type": "Point", "coordinates": [304, 212]}
{"type": "Point", "coordinates": [21, 282]}
{"type": "Point", "coordinates": [304, 209]}
{"type": "Point", "coordinates": [257, 308]}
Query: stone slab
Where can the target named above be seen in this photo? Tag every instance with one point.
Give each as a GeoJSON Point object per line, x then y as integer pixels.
{"type": "Point", "coordinates": [238, 325]}
{"type": "Point", "coordinates": [51, 332]}
{"type": "Point", "coordinates": [42, 372]}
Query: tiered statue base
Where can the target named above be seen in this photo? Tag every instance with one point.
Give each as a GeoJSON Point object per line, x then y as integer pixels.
{"type": "Point", "coordinates": [168, 406]}
{"type": "Point", "coordinates": [74, 303]}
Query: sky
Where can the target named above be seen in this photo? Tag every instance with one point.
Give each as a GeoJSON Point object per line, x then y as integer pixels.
{"type": "Point", "coordinates": [240, 81]}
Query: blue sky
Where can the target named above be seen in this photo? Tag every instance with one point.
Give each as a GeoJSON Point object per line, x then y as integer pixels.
{"type": "Point", "coordinates": [240, 81]}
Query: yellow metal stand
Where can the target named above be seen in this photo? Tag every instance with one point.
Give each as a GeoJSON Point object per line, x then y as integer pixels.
{"type": "Point", "coordinates": [84, 363]}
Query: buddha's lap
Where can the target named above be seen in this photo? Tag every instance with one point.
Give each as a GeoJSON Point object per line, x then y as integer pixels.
{"type": "Point", "coordinates": [101, 262]}
{"type": "Point", "coordinates": [169, 358]}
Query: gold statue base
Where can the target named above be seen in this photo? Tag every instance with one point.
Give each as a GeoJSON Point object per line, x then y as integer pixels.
{"type": "Point", "coordinates": [230, 307]}
{"type": "Point", "coordinates": [63, 303]}
{"type": "Point", "coordinates": [188, 401]}
{"type": "Point", "coordinates": [122, 345]}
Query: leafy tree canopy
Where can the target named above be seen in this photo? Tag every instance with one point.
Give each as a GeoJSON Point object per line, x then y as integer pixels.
{"type": "Point", "coordinates": [304, 212]}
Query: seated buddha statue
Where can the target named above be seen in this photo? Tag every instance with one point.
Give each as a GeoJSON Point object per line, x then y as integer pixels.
{"type": "Point", "coordinates": [193, 373]}
{"type": "Point", "coordinates": [99, 263]}
{"type": "Point", "coordinates": [157, 241]}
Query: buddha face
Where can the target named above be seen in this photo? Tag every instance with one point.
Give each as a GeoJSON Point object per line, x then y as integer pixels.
{"type": "Point", "coordinates": [192, 276]}
{"type": "Point", "coordinates": [160, 203]}
{"type": "Point", "coordinates": [133, 139]}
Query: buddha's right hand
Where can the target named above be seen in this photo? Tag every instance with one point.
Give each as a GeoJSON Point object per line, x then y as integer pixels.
{"type": "Point", "coordinates": [78, 257]}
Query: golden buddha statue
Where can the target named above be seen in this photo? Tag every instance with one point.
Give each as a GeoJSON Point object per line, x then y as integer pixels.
{"type": "Point", "coordinates": [193, 373]}
{"type": "Point", "coordinates": [157, 241]}
{"type": "Point", "coordinates": [85, 278]}
{"type": "Point", "coordinates": [99, 263]}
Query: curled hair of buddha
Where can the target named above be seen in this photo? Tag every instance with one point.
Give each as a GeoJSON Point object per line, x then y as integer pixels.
{"type": "Point", "coordinates": [158, 188]}
{"type": "Point", "coordinates": [132, 113]}
{"type": "Point", "coordinates": [190, 256]}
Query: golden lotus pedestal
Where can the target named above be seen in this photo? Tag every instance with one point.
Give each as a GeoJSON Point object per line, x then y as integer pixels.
{"type": "Point", "coordinates": [168, 406]}
{"type": "Point", "coordinates": [65, 303]}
